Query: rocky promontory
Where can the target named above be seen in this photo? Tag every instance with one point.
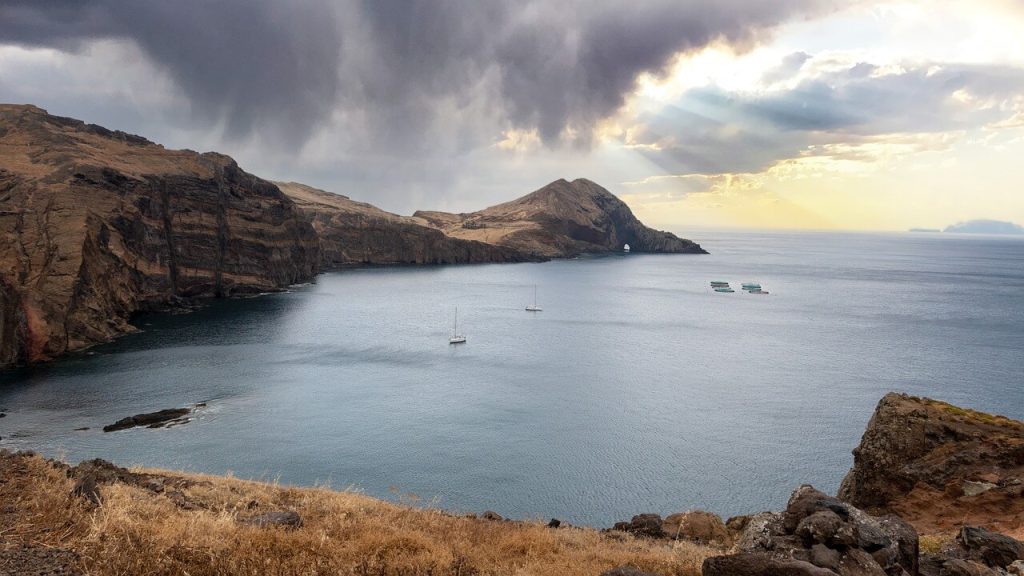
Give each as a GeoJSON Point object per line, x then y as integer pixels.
{"type": "Point", "coordinates": [561, 220]}
{"type": "Point", "coordinates": [939, 466]}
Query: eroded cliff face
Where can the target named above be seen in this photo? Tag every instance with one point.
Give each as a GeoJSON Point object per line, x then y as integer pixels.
{"type": "Point", "coordinates": [97, 225]}
{"type": "Point", "coordinates": [356, 233]}
{"type": "Point", "coordinates": [939, 466]}
{"type": "Point", "coordinates": [562, 219]}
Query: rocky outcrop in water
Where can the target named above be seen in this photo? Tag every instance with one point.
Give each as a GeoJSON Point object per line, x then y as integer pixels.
{"type": "Point", "coordinates": [939, 466]}
{"type": "Point", "coordinates": [157, 419]}
{"type": "Point", "coordinates": [562, 219]}
{"type": "Point", "coordinates": [97, 225]}
{"type": "Point", "coordinates": [356, 233]}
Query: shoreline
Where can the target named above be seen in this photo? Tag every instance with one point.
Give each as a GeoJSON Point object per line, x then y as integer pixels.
{"type": "Point", "coordinates": [99, 518]}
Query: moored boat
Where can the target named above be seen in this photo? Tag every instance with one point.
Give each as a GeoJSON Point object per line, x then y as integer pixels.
{"type": "Point", "coordinates": [456, 338]}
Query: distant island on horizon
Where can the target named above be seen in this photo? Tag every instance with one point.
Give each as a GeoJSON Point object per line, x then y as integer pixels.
{"type": "Point", "coordinates": [981, 226]}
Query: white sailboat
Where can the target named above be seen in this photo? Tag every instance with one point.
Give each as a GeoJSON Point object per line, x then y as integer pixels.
{"type": "Point", "coordinates": [534, 307]}
{"type": "Point", "coordinates": [456, 338]}
{"type": "Point", "coordinates": [625, 248]}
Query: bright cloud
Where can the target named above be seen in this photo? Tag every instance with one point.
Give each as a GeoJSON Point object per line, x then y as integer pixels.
{"type": "Point", "coordinates": [797, 113]}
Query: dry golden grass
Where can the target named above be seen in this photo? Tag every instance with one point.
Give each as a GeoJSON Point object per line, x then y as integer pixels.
{"type": "Point", "coordinates": [136, 531]}
{"type": "Point", "coordinates": [934, 543]}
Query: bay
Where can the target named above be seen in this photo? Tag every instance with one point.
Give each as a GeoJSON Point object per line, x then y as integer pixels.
{"type": "Point", "coordinates": [636, 389]}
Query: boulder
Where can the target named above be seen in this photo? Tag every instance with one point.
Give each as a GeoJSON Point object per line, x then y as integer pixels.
{"type": "Point", "coordinates": [750, 564]}
{"type": "Point", "coordinates": [697, 526]}
{"type": "Point", "coordinates": [489, 515]}
{"type": "Point", "coordinates": [933, 565]}
{"type": "Point", "coordinates": [643, 525]}
{"type": "Point", "coordinates": [827, 533]}
{"type": "Point", "coordinates": [859, 563]}
{"type": "Point", "coordinates": [825, 527]}
{"type": "Point", "coordinates": [759, 532]}
{"type": "Point", "coordinates": [906, 539]}
{"type": "Point", "coordinates": [824, 557]}
{"type": "Point", "coordinates": [736, 524]}
{"type": "Point", "coordinates": [991, 548]}
{"type": "Point", "coordinates": [86, 487]}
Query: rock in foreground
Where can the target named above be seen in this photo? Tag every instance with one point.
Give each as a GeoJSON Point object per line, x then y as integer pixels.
{"type": "Point", "coordinates": [819, 535]}
{"type": "Point", "coordinates": [939, 466]}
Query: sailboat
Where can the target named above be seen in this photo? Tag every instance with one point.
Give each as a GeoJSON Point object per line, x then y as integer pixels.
{"type": "Point", "coordinates": [534, 307]}
{"type": "Point", "coordinates": [456, 338]}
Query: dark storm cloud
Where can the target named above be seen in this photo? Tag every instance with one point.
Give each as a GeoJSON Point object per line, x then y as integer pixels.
{"type": "Point", "coordinates": [400, 71]}
{"type": "Point", "coordinates": [239, 61]}
{"type": "Point", "coordinates": [553, 65]}
{"type": "Point", "coordinates": [710, 130]}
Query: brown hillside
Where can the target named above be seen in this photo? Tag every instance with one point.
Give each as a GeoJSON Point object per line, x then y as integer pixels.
{"type": "Point", "coordinates": [96, 225]}
{"type": "Point", "coordinates": [562, 219]}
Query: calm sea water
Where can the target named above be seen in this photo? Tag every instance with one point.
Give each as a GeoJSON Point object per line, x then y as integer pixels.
{"type": "Point", "coordinates": [636, 389]}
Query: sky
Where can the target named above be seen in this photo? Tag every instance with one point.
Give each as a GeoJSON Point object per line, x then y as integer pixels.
{"type": "Point", "coordinates": [819, 114]}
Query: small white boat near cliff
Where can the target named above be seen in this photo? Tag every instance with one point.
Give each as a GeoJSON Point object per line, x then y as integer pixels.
{"type": "Point", "coordinates": [456, 338]}
{"type": "Point", "coordinates": [534, 307]}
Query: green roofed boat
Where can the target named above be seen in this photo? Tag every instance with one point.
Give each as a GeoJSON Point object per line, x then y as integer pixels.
{"type": "Point", "coordinates": [726, 289]}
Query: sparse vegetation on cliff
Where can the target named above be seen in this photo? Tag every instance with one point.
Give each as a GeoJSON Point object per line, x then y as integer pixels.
{"type": "Point", "coordinates": [155, 522]}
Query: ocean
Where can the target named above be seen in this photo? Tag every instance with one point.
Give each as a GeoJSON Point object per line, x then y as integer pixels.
{"type": "Point", "coordinates": [636, 389]}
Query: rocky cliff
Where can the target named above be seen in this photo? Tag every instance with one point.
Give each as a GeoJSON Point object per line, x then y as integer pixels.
{"type": "Point", "coordinates": [939, 466]}
{"type": "Point", "coordinates": [562, 219]}
{"type": "Point", "coordinates": [354, 233]}
{"type": "Point", "coordinates": [97, 225]}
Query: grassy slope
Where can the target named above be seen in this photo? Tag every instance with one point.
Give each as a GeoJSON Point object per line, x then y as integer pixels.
{"type": "Point", "coordinates": [136, 531]}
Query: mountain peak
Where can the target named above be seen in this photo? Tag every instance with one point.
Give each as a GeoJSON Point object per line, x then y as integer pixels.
{"type": "Point", "coordinates": [561, 219]}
